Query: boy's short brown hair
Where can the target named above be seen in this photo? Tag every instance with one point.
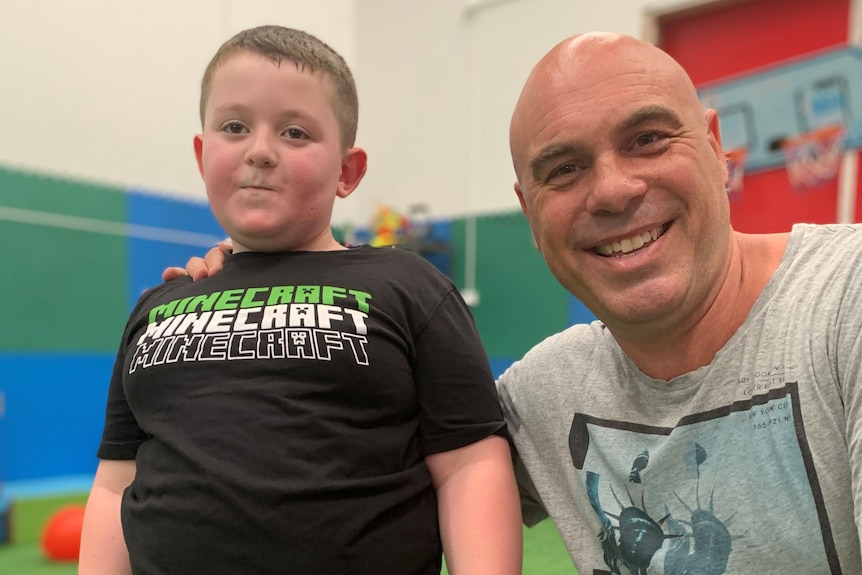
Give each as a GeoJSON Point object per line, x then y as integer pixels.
{"type": "Point", "coordinates": [307, 52]}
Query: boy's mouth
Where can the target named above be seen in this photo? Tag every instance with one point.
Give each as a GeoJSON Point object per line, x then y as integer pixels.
{"type": "Point", "coordinates": [631, 244]}
{"type": "Point", "coordinates": [256, 185]}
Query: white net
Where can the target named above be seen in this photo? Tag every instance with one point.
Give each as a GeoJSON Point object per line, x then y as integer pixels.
{"type": "Point", "coordinates": [736, 159]}
{"type": "Point", "coordinates": [814, 157]}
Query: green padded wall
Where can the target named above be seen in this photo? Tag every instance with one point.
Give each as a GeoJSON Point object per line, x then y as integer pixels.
{"type": "Point", "coordinates": [521, 303]}
{"type": "Point", "coordinates": [64, 286]}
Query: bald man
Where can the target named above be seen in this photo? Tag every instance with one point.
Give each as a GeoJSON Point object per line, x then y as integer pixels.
{"type": "Point", "coordinates": [709, 421]}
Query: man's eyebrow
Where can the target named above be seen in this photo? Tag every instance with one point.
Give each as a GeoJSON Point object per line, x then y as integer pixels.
{"type": "Point", "coordinates": [548, 155]}
{"type": "Point", "coordinates": [649, 114]}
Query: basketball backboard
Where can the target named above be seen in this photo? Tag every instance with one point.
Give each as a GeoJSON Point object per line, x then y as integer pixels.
{"type": "Point", "coordinates": [758, 110]}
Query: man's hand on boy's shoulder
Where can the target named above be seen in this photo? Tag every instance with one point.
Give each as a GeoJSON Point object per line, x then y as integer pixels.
{"type": "Point", "coordinates": [200, 268]}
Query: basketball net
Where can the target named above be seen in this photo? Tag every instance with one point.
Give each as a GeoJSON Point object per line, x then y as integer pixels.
{"type": "Point", "coordinates": [736, 158]}
{"type": "Point", "coordinates": [813, 158]}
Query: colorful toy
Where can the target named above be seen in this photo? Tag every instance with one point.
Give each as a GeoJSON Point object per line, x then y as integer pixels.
{"type": "Point", "coordinates": [61, 537]}
{"type": "Point", "coordinates": [389, 227]}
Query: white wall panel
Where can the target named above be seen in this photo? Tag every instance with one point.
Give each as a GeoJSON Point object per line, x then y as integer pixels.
{"type": "Point", "coordinates": [439, 82]}
{"type": "Point", "coordinates": [108, 91]}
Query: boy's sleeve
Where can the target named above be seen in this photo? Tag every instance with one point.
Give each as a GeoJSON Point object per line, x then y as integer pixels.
{"type": "Point", "coordinates": [457, 398]}
{"type": "Point", "coordinates": [122, 435]}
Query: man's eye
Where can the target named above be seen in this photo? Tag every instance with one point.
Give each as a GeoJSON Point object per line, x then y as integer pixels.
{"type": "Point", "coordinates": [563, 170]}
{"type": "Point", "coordinates": [234, 128]}
{"type": "Point", "coordinates": [647, 139]}
{"type": "Point", "coordinates": [295, 134]}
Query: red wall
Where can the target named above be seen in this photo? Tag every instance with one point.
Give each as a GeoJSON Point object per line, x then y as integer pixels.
{"type": "Point", "coordinates": [713, 44]}
{"type": "Point", "coordinates": [768, 203]}
{"type": "Point", "coordinates": [717, 43]}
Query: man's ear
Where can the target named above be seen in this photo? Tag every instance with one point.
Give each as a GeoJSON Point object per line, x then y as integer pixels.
{"type": "Point", "coordinates": [353, 168]}
{"type": "Point", "coordinates": [712, 126]}
{"type": "Point", "coordinates": [714, 136]}
{"type": "Point", "coordinates": [199, 152]}
{"type": "Point", "coordinates": [520, 195]}
{"type": "Point", "coordinates": [524, 209]}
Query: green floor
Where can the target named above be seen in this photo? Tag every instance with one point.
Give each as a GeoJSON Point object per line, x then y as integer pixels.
{"type": "Point", "coordinates": [24, 556]}
{"type": "Point", "coordinates": [544, 553]}
{"type": "Point", "coordinates": [30, 515]}
{"type": "Point", "coordinates": [27, 559]}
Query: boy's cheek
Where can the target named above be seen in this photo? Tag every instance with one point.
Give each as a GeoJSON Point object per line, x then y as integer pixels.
{"type": "Point", "coordinates": [219, 164]}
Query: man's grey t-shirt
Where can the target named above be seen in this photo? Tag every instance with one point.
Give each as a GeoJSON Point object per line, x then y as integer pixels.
{"type": "Point", "coordinates": [747, 465]}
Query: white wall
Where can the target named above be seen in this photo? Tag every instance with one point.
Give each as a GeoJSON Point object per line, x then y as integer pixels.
{"type": "Point", "coordinates": [439, 80]}
{"type": "Point", "coordinates": [107, 91]}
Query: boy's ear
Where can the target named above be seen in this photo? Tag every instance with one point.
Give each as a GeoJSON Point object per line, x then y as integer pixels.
{"type": "Point", "coordinates": [352, 170]}
{"type": "Point", "coordinates": [199, 152]}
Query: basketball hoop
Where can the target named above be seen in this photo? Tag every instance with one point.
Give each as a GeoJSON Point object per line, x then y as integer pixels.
{"type": "Point", "coordinates": [736, 158]}
{"type": "Point", "coordinates": [813, 158]}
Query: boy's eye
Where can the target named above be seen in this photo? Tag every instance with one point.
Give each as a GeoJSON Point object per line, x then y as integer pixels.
{"type": "Point", "coordinates": [295, 134]}
{"type": "Point", "coordinates": [234, 128]}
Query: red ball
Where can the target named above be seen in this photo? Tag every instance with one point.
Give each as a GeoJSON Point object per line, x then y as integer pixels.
{"type": "Point", "coordinates": [61, 536]}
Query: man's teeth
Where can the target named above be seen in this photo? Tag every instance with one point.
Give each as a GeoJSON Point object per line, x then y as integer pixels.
{"type": "Point", "coordinates": [630, 244]}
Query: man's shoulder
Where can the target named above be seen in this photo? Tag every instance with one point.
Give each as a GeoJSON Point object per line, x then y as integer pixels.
{"type": "Point", "coordinates": [552, 371]}
{"type": "Point", "coordinates": [838, 244]}
{"type": "Point", "coordinates": [825, 232]}
{"type": "Point", "coordinates": [575, 335]}
{"type": "Point", "coordinates": [570, 348]}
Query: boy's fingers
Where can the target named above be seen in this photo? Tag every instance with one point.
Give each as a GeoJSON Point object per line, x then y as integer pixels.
{"type": "Point", "coordinates": [214, 260]}
{"type": "Point", "coordinates": [171, 273]}
{"type": "Point", "coordinates": [200, 268]}
{"type": "Point", "coordinates": [197, 268]}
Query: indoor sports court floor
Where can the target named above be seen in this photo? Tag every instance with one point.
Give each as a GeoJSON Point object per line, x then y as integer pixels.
{"type": "Point", "coordinates": [544, 553]}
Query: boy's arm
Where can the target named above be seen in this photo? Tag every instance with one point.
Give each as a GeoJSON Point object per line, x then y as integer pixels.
{"type": "Point", "coordinates": [103, 549]}
{"type": "Point", "coordinates": [477, 499]}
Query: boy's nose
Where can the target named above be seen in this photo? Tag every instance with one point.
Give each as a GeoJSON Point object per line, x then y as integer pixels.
{"type": "Point", "coordinates": [261, 151]}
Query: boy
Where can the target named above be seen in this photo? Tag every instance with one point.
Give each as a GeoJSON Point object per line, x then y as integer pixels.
{"type": "Point", "coordinates": [312, 408]}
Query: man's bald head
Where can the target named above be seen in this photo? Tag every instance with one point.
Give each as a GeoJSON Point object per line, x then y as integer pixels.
{"type": "Point", "coordinates": [584, 67]}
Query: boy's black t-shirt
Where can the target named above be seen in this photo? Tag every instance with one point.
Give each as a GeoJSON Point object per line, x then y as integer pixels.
{"type": "Point", "coordinates": [280, 411]}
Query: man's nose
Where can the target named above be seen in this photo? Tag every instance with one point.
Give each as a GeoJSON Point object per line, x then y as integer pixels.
{"type": "Point", "coordinates": [615, 185]}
